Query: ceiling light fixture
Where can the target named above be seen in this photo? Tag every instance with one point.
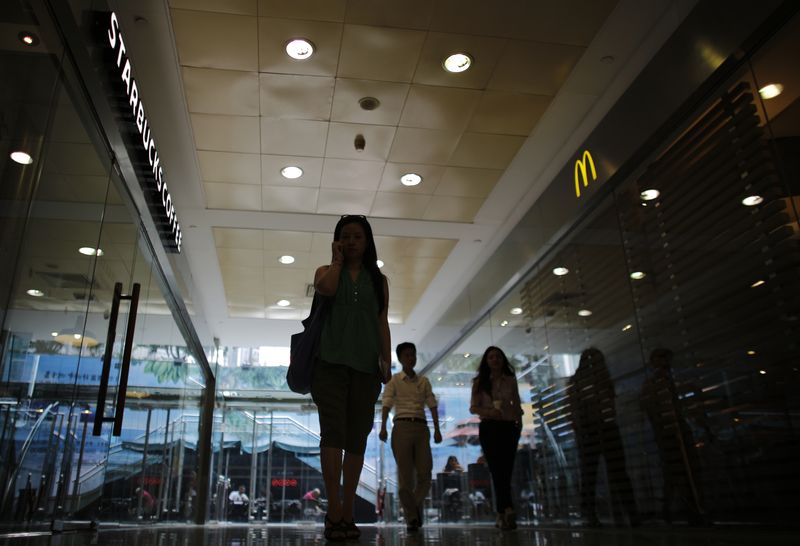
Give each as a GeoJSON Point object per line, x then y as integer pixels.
{"type": "Point", "coordinates": [627, 327]}
{"type": "Point", "coordinates": [560, 271]}
{"type": "Point", "coordinates": [35, 293]}
{"type": "Point", "coordinates": [504, 323]}
{"type": "Point", "coordinates": [300, 49]}
{"type": "Point", "coordinates": [649, 195]}
{"type": "Point", "coordinates": [410, 179]}
{"type": "Point", "coordinates": [368, 103]}
{"type": "Point", "coordinates": [291, 172]}
{"type": "Point", "coordinates": [90, 251]}
{"type": "Point", "coordinates": [467, 355]}
{"type": "Point", "coordinates": [752, 200]}
{"type": "Point", "coordinates": [751, 353]}
{"type": "Point", "coordinates": [770, 91]}
{"type": "Point", "coordinates": [380, 263]}
{"type": "Point", "coordinates": [638, 275]}
{"type": "Point", "coordinates": [516, 311]}
{"type": "Point", "coordinates": [758, 283]}
{"type": "Point", "coordinates": [284, 303]}
{"type": "Point", "coordinates": [584, 313]}
{"type": "Point", "coordinates": [762, 372]}
{"type": "Point", "coordinates": [28, 38]}
{"type": "Point", "coordinates": [457, 62]}
{"type": "Point", "coordinates": [54, 334]}
{"type": "Point", "coordinates": [286, 259]}
{"type": "Point", "coordinates": [76, 336]}
{"type": "Point", "coordinates": [21, 157]}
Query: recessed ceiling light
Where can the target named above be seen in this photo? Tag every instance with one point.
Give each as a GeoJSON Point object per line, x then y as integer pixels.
{"type": "Point", "coordinates": [286, 259]}
{"type": "Point", "coordinates": [504, 323]}
{"type": "Point", "coordinates": [627, 327]}
{"type": "Point", "coordinates": [752, 200]}
{"type": "Point", "coordinates": [35, 293]}
{"type": "Point", "coordinates": [90, 251]}
{"type": "Point", "coordinates": [516, 311]}
{"type": "Point", "coordinates": [584, 313]}
{"type": "Point", "coordinates": [21, 157]}
{"type": "Point", "coordinates": [466, 355]}
{"type": "Point", "coordinates": [300, 49]}
{"type": "Point", "coordinates": [638, 275]}
{"type": "Point", "coordinates": [751, 353]}
{"type": "Point", "coordinates": [410, 179]}
{"type": "Point", "coordinates": [649, 195]}
{"type": "Point", "coordinates": [560, 271]}
{"type": "Point", "coordinates": [54, 334]}
{"type": "Point", "coordinates": [758, 283]}
{"type": "Point", "coordinates": [457, 62]}
{"type": "Point", "coordinates": [762, 372]}
{"type": "Point", "coordinates": [291, 172]}
{"type": "Point", "coordinates": [770, 91]}
{"type": "Point", "coordinates": [28, 38]}
{"type": "Point", "coordinates": [284, 303]}
{"type": "Point", "coordinates": [380, 263]}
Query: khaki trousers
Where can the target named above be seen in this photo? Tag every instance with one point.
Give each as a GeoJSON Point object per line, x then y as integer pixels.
{"type": "Point", "coordinates": [411, 445]}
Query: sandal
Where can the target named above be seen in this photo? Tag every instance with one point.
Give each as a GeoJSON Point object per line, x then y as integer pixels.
{"type": "Point", "coordinates": [335, 532]}
{"type": "Point", "coordinates": [351, 531]}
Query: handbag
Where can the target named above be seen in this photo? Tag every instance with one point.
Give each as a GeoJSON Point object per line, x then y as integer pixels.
{"type": "Point", "coordinates": [304, 347]}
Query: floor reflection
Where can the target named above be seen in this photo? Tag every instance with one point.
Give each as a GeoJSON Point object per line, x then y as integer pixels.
{"type": "Point", "coordinates": [391, 535]}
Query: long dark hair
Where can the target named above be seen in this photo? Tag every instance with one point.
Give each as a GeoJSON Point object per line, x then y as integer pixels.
{"type": "Point", "coordinates": [483, 378]}
{"type": "Point", "coordinates": [370, 258]}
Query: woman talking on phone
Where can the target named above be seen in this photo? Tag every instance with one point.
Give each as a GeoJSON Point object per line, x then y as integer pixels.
{"type": "Point", "coordinates": [495, 399]}
{"type": "Point", "coordinates": [354, 356]}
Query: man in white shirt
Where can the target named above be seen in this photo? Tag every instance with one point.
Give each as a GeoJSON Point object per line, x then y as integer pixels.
{"type": "Point", "coordinates": [409, 393]}
{"type": "Point", "coordinates": [239, 502]}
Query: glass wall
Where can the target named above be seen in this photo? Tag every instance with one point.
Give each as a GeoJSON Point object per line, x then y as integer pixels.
{"type": "Point", "coordinates": [99, 396]}
{"type": "Point", "coordinates": [656, 343]}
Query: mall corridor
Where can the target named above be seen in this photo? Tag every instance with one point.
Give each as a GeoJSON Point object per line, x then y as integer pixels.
{"type": "Point", "coordinates": [568, 228]}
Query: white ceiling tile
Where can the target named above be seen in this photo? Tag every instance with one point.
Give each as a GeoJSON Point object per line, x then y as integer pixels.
{"type": "Point", "coordinates": [288, 96]}
{"type": "Point", "coordinates": [453, 209]}
{"type": "Point", "coordinates": [341, 141]}
{"type": "Point", "coordinates": [287, 241]}
{"type": "Point", "coordinates": [271, 166]}
{"type": "Point", "coordinates": [274, 34]}
{"type": "Point", "coordinates": [486, 151]}
{"type": "Point", "coordinates": [238, 238]}
{"type": "Point", "coordinates": [254, 310]}
{"type": "Point", "coordinates": [431, 174]}
{"type": "Point", "coordinates": [314, 10]}
{"type": "Point", "coordinates": [216, 40]}
{"type": "Point", "coordinates": [534, 67]}
{"type": "Point", "coordinates": [508, 113]}
{"type": "Point", "coordinates": [236, 274]}
{"type": "Point", "coordinates": [214, 91]}
{"type": "Point", "coordinates": [464, 182]}
{"type": "Point", "coordinates": [229, 167]}
{"type": "Point", "coordinates": [439, 107]}
{"type": "Point", "coordinates": [321, 245]}
{"type": "Point", "coordinates": [239, 7]}
{"type": "Point", "coordinates": [400, 205]}
{"type": "Point", "coordinates": [283, 199]}
{"type": "Point", "coordinates": [485, 52]}
{"type": "Point", "coordinates": [350, 174]}
{"type": "Point", "coordinates": [240, 257]}
{"type": "Point", "coordinates": [379, 53]}
{"type": "Point", "coordinates": [344, 202]}
{"type": "Point", "coordinates": [348, 92]}
{"type": "Point", "coordinates": [226, 133]}
{"type": "Point", "coordinates": [414, 14]}
{"type": "Point", "coordinates": [433, 146]}
{"type": "Point", "coordinates": [284, 284]}
{"type": "Point", "coordinates": [232, 196]}
{"type": "Point", "coordinates": [293, 137]}
{"type": "Point", "coordinates": [556, 22]}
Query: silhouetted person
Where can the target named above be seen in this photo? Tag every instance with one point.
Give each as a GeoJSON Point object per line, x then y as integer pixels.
{"type": "Point", "coordinates": [590, 394]}
{"type": "Point", "coordinates": [661, 403]}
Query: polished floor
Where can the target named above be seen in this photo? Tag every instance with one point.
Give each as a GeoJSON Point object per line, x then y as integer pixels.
{"type": "Point", "coordinates": [393, 535]}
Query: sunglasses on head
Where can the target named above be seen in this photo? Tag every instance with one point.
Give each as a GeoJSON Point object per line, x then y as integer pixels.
{"type": "Point", "coordinates": [353, 216]}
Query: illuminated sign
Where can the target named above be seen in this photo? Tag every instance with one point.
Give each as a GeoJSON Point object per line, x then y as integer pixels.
{"type": "Point", "coordinates": [290, 482]}
{"type": "Point", "coordinates": [583, 167]}
{"type": "Point", "coordinates": [148, 143]}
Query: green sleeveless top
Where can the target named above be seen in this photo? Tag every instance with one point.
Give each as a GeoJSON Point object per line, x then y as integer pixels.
{"type": "Point", "coordinates": [350, 333]}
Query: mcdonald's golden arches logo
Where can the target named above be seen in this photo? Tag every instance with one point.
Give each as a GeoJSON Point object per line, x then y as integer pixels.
{"type": "Point", "coordinates": [583, 167]}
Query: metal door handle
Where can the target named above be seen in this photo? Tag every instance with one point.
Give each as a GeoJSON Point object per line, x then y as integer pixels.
{"type": "Point", "coordinates": [99, 415]}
